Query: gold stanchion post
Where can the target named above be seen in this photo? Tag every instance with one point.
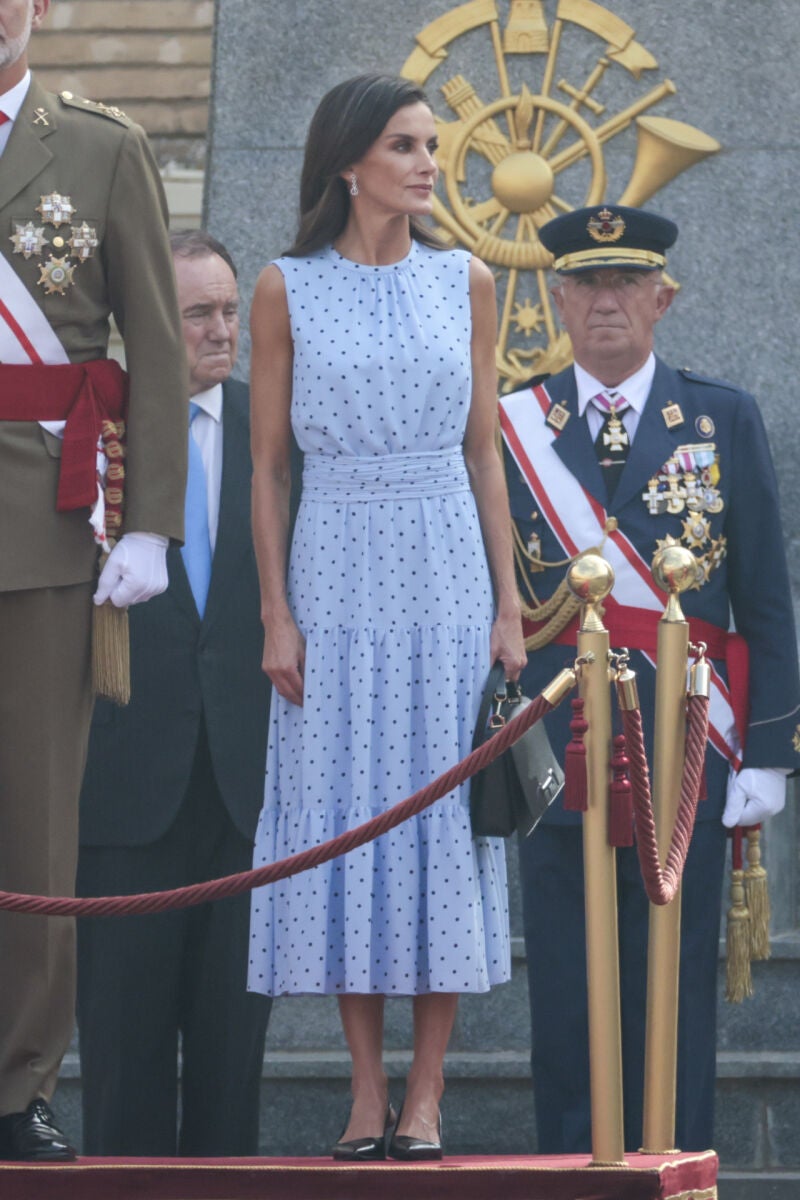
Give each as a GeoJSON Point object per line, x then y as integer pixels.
{"type": "Point", "coordinates": [674, 570]}
{"type": "Point", "coordinates": [590, 579]}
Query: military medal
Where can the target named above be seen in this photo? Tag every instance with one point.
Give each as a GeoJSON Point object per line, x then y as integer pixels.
{"type": "Point", "coordinates": [56, 275]}
{"type": "Point", "coordinates": [688, 482]}
{"type": "Point", "coordinates": [84, 241]}
{"type": "Point", "coordinates": [557, 417]}
{"type": "Point", "coordinates": [29, 239]}
{"type": "Point", "coordinates": [615, 437]}
{"type": "Point", "coordinates": [56, 209]}
{"type": "Point", "coordinates": [705, 427]}
{"type": "Point", "coordinates": [672, 415]}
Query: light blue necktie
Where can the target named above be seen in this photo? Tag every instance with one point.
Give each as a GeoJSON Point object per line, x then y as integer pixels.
{"type": "Point", "coordinates": [196, 549]}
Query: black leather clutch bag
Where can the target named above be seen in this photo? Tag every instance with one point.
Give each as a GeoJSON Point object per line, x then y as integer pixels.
{"type": "Point", "coordinates": [513, 792]}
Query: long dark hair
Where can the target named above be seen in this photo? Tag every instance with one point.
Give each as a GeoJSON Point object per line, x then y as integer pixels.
{"type": "Point", "coordinates": [349, 118]}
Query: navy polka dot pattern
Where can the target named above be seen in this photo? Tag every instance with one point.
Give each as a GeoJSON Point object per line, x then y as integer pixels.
{"type": "Point", "coordinates": [389, 583]}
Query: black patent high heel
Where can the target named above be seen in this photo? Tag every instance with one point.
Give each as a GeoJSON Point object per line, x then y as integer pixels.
{"type": "Point", "coordinates": [411, 1149]}
{"type": "Point", "coordinates": [366, 1149]}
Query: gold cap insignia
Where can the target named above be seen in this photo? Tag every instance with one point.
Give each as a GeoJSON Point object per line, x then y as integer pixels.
{"type": "Point", "coordinates": [606, 226]}
{"type": "Point", "coordinates": [56, 275]}
{"type": "Point", "coordinates": [56, 209]}
{"type": "Point", "coordinates": [29, 239]}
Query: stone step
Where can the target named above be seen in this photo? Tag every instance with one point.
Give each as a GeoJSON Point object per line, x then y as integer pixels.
{"type": "Point", "coordinates": [489, 1107]}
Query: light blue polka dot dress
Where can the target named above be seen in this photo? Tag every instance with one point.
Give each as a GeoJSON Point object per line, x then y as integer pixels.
{"type": "Point", "coordinates": [389, 583]}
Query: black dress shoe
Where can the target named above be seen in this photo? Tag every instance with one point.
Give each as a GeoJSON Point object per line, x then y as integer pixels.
{"type": "Point", "coordinates": [366, 1149]}
{"type": "Point", "coordinates": [33, 1136]}
{"type": "Point", "coordinates": [411, 1149]}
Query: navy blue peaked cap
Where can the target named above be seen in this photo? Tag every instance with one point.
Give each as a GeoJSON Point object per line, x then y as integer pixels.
{"type": "Point", "coordinates": [608, 235]}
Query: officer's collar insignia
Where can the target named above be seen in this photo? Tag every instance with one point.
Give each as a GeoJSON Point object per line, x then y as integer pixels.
{"type": "Point", "coordinates": [28, 239]}
{"type": "Point", "coordinates": [673, 417]}
{"type": "Point", "coordinates": [40, 116]}
{"type": "Point", "coordinates": [705, 426]}
{"type": "Point", "coordinates": [606, 226]}
{"type": "Point", "coordinates": [56, 275]}
{"type": "Point", "coordinates": [557, 417]}
{"type": "Point", "coordinates": [56, 209]}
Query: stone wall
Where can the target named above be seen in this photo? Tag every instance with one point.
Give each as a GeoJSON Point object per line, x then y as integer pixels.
{"type": "Point", "coordinates": [151, 58]}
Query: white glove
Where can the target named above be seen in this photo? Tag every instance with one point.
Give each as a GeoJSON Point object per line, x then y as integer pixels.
{"type": "Point", "coordinates": [753, 794]}
{"type": "Point", "coordinates": [135, 570]}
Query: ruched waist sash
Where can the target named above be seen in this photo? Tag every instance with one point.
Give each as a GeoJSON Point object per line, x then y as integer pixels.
{"type": "Point", "coordinates": [344, 478]}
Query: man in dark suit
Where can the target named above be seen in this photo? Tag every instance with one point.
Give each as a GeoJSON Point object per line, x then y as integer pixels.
{"type": "Point", "coordinates": [172, 792]}
{"type": "Point", "coordinates": [83, 235]}
{"type": "Point", "coordinates": [619, 452]}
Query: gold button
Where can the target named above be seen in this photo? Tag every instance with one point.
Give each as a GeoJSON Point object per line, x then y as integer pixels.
{"type": "Point", "coordinates": [58, 241]}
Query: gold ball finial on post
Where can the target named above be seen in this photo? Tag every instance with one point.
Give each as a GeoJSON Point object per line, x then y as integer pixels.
{"type": "Point", "coordinates": [590, 578]}
{"type": "Point", "coordinates": [674, 569]}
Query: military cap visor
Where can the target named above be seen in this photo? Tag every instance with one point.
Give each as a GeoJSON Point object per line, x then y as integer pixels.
{"type": "Point", "coordinates": [608, 236]}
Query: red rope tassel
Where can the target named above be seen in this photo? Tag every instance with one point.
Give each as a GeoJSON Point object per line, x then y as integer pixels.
{"type": "Point", "coordinates": [576, 795]}
{"type": "Point", "coordinates": [620, 812]}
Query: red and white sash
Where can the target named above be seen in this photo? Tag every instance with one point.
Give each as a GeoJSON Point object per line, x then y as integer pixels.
{"type": "Point", "coordinates": [578, 522]}
{"type": "Point", "coordinates": [27, 337]}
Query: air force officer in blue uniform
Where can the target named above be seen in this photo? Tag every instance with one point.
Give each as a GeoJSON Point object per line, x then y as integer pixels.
{"type": "Point", "coordinates": [621, 451]}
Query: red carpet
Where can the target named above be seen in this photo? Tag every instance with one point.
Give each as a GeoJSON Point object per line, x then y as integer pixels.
{"type": "Point", "coordinates": [646, 1177]}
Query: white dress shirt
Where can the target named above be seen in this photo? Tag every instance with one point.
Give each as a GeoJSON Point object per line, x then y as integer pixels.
{"type": "Point", "coordinates": [635, 389]}
{"type": "Point", "coordinates": [10, 104]}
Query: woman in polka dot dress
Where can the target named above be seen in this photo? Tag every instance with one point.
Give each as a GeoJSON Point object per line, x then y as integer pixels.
{"type": "Point", "coordinates": [375, 345]}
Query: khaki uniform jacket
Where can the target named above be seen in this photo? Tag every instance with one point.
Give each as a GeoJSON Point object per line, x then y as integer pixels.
{"type": "Point", "coordinates": [102, 162]}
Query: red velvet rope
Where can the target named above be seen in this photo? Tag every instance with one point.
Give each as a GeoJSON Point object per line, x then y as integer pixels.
{"type": "Point", "coordinates": [232, 885]}
{"type": "Point", "coordinates": [661, 884]}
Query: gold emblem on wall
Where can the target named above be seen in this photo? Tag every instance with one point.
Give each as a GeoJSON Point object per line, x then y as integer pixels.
{"type": "Point", "coordinates": [512, 160]}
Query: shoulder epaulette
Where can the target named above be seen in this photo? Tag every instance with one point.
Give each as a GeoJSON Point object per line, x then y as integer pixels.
{"type": "Point", "coordinates": [534, 381]}
{"type": "Point", "coordinates": [696, 377]}
{"type": "Point", "coordinates": [94, 106]}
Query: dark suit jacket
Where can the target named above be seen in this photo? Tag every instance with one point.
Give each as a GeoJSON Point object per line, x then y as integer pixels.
{"type": "Point", "coordinates": [751, 582]}
{"type": "Point", "coordinates": [182, 668]}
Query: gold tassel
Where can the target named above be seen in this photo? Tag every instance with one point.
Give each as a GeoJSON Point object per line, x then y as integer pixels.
{"type": "Point", "coordinates": [756, 890]}
{"type": "Point", "coordinates": [111, 652]}
{"type": "Point", "coordinates": [739, 982]}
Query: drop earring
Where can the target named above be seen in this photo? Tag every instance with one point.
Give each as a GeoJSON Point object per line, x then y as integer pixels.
{"type": "Point", "coordinates": [353, 185]}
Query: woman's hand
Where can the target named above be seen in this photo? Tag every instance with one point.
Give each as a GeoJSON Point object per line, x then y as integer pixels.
{"type": "Point", "coordinates": [285, 658]}
{"type": "Point", "coordinates": [507, 644]}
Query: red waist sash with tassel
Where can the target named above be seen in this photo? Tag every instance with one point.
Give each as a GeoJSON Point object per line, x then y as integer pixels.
{"type": "Point", "coordinates": [83, 395]}
{"type": "Point", "coordinates": [637, 629]}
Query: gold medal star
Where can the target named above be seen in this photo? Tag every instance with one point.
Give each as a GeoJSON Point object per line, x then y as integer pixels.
{"type": "Point", "coordinates": [29, 239]}
{"type": "Point", "coordinates": [84, 241]}
{"type": "Point", "coordinates": [56, 275]}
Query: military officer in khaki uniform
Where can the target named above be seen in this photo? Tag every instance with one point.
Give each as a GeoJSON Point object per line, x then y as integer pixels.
{"type": "Point", "coordinates": [82, 236]}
